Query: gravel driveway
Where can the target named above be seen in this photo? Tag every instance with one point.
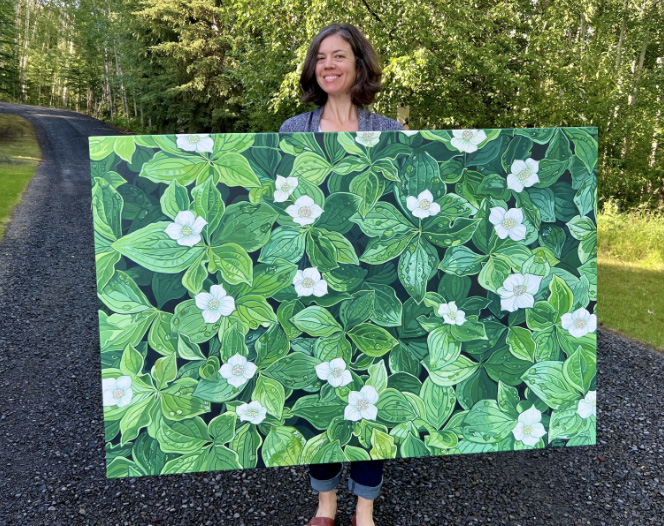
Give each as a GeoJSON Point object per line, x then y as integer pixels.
{"type": "Point", "coordinates": [52, 469]}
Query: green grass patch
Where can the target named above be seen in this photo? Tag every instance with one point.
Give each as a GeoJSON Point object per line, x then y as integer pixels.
{"type": "Point", "coordinates": [631, 301]}
{"type": "Point", "coordinates": [631, 273]}
{"type": "Point", "coordinates": [19, 157]}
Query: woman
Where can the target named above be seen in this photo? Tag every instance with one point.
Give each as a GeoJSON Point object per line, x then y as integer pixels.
{"type": "Point", "coordinates": [341, 74]}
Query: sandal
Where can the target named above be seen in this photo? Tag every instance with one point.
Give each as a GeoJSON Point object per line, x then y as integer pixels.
{"type": "Point", "coordinates": [321, 521]}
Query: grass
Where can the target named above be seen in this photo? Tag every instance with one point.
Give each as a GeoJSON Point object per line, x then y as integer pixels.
{"type": "Point", "coordinates": [631, 273]}
{"type": "Point", "coordinates": [19, 157]}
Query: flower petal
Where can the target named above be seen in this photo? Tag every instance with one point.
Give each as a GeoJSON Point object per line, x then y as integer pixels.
{"type": "Point", "coordinates": [320, 288]}
{"type": "Point", "coordinates": [370, 413]}
{"type": "Point", "coordinates": [425, 195]}
{"type": "Point", "coordinates": [211, 316]}
{"type": "Point", "coordinates": [518, 233]}
{"type": "Point", "coordinates": [497, 214]}
{"type": "Point", "coordinates": [218, 291]}
{"type": "Point", "coordinates": [412, 203]}
{"type": "Point", "coordinates": [311, 273]}
{"type": "Point", "coordinates": [226, 306]}
{"type": "Point", "coordinates": [185, 218]}
{"type": "Point", "coordinates": [351, 413]}
{"type": "Point", "coordinates": [418, 212]}
{"type": "Point", "coordinates": [323, 370]}
{"type": "Point", "coordinates": [174, 231]}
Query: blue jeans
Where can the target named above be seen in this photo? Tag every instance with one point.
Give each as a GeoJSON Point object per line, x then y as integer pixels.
{"type": "Point", "coordinates": [366, 477]}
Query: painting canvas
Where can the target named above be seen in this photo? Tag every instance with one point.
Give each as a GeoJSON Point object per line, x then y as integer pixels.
{"type": "Point", "coordinates": [288, 299]}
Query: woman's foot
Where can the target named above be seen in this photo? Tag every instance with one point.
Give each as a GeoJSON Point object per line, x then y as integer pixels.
{"type": "Point", "coordinates": [364, 512]}
{"type": "Point", "coordinates": [327, 504]}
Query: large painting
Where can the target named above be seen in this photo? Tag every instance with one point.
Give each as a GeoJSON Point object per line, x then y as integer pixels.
{"type": "Point", "coordinates": [284, 299]}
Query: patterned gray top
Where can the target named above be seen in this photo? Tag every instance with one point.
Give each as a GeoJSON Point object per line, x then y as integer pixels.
{"type": "Point", "coordinates": [367, 121]}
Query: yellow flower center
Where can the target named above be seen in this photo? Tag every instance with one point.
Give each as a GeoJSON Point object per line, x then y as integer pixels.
{"type": "Point", "coordinates": [425, 204]}
{"type": "Point", "coordinates": [337, 372]}
{"type": "Point", "coordinates": [213, 304]}
{"type": "Point", "coordinates": [118, 393]}
{"type": "Point", "coordinates": [238, 370]}
{"type": "Point", "coordinates": [580, 324]}
{"type": "Point", "coordinates": [520, 290]}
{"type": "Point", "coordinates": [285, 187]}
{"type": "Point", "coordinates": [362, 405]}
{"type": "Point", "coordinates": [252, 413]}
{"type": "Point", "coordinates": [509, 223]}
{"type": "Point", "coordinates": [186, 230]}
{"type": "Point", "coordinates": [304, 211]}
{"type": "Point", "coordinates": [467, 135]}
{"type": "Point", "coordinates": [193, 139]}
{"type": "Point", "coordinates": [524, 174]}
{"type": "Point", "coordinates": [527, 430]}
{"type": "Point", "coordinates": [308, 283]}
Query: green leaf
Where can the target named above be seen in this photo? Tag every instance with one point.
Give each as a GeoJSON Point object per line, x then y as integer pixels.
{"type": "Point", "coordinates": [542, 316]}
{"type": "Point", "coordinates": [581, 228]}
{"type": "Point", "coordinates": [348, 143]}
{"type": "Point", "coordinates": [222, 427]}
{"type": "Point", "coordinates": [384, 220]}
{"type": "Point", "coordinates": [321, 251]}
{"type": "Point", "coordinates": [282, 446]}
{"type": "Point", "coordinates": [131, 362]}
{"type": "Point", "coordinates": [271, 345]}
{"type": "Point", "coordinates": [339, 208]}
{"type": "Point", "coordinates": [164, 168]}
{"type": "Point", "coordinates": [380, 250]}
{"type": "Point", "coordinates": [487, 424]}
{"type": "Point", "coordinates": [164, 370]}
{"type": "Point", "coordinates": [548, 382]}
{"type": "Point", "coordinates": [471, 330]}
{"type": "Point", "coordinates": [561, 297]}
{"type": "Point", "coordinates": [442, 232]}
{"type": "Point", "coordinates": [580, 369]}
{"type": "Point", "coordinates": [369, 187]}
{"type": "Point", "coordinates": [453, 373]}
{"type": "Point", "coordinates": [521, 343]}
{"type": "Point", "coordinates": [233, 169]}
{"type": "Point", "coordinates": [494, 273]}
{"type": "Point", "coordinates": [208, 203]}
{"type": "Point", "coordinates": [438, 401]}
{"type": "Point", "coordinates": [107, 207]}
{"type": "Point", "coordinates": [461, 261]}
{"type": "Point", "coordinates": [345, 251]}
{"type": "Point", "coordinates": [331, 347]}
{"type": "Point", "coordinates": [443, 349]}
{"type": "Point", "coordinates": [285, 243]}
{"type": "Point", "coordinates": [565, 423]}
{"type": "Point", "coordinates": [357, 310]}
{"type": "Point", "coordinates": [178, 401]}
{"type": "Point", "coordinates": [377, 376]}
{"type": "Point", "coordinates": [345, 277]}
{"type": "Point", "coordinates": [183, 437]}
{"type": "Point", "coordinates": [387, 307]}
{"type": "Point", "coordinates": [356, 453]}
{"type": "Point", "coordinates": [330, 453]}
{"type": "Point", "coordinates": [233, 262]}
{"type": "Point", "coordinates": [195, 276]}
{"type": "Point", "coordinates": [316, 321]}
{"type": "Point", "coordinates": [215, 391]}
{"type": "Point", "coordinates": [294, 371]}
{"type": "Point", "coordinates": [248, 225]}
{"type": "Point", "coordinates": [121, 294]}
{"type": "Point", "coordinates": [174, 200]}
{"type": "Point", "coordinates": [254, 310]}
{"type": "Point", "coordinates": [188, 319]}
{"type": "Point", "coordinates": [189, 463]}
{"type": "Point", "coordinates": [151, 248]}
{"type": "Point", "coordinates": [221, 458]}
{"type": "Point", "coordinates": [318, 414]}
{"type": "Point", "coordinates": [503, 366]}
{"type": "Point", "coordinates": [188, 350]}
{"type": "Point", "coordinates": [246, 443]}
{"type": "Point", "coordinates": [136, 417]}
{"type": "Point", "coordinates": [372, 340]}
{"type": "Point", "coordinates": [415, 267]}
{"type": "Point", "coordinates": [311, 167]}
{"type": "Point", "coordinates": [383, 446]}
{"type": "Point", "coordinates": [585, 146]}
{"type": "Point", "coordinates": [125, 147]}
{"type": "Point", "coordinates": [271, 395]}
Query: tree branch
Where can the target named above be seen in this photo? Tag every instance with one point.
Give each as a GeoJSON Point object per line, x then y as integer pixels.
{"type": "Point", "coordinates": [371, 11]}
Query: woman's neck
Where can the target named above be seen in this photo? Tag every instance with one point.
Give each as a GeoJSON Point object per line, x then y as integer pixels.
{"type": "Point", "coordinates": [339, 115]}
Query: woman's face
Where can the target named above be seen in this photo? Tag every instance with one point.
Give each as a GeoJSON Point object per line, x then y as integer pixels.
{"type": "Point", "coordinates": [335, 66]}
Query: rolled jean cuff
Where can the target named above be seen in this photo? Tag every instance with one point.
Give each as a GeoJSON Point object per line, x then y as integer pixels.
{"type": "Point", "coordinates": [366, 492]}
{"type": "Point", "coordinates": [325, 485]}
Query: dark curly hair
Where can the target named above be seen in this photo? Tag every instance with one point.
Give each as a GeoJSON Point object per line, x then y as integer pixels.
{"type": "Point", "coordinates": [367, 67]}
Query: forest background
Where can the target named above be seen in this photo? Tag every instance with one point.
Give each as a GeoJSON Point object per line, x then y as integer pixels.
{"type": "Point", "coordinates": [165, 66]}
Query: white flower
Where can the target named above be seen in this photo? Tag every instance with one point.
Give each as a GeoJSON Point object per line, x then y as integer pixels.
{"type": "Point", "coordinates": [529, 429]}
{"type": "Point", "coordinates": [253, 412]}
{"type": "Point", "coordinates": [186, 228]}
{"type": "Point", "coordinates": [451, 314]}
{"type": "Point", "coordinates": [334, 372]}
{"type": "Point", "coordinates": [423, 205]}
{"type": "Point", "coordinates": [215, 304]}
{"type": "Point", "coordinates": [237, 370]}
{"type": "Point", "coordinates": [304, 211]}
{"type": "Point", "coordinates": [508, 223]}
{"type": "Point", "coordinates": [518, 291]}
{"type": "Point", "coordinates": [368, 138]}
{"type": "Point", "coordinates": [523, 174]}
{"type": "Point", "coordinates": [467, 140]}
{"type": "Point", "coordinates": [284, 187]}
{"type": "Point", "coordinates": [579, 323]}
{"type": "Point", "coordinates": [588, 406]}
{"type": "Point", "coordinates": [308, 282]}
{"type": "Point", "coordinates": [361, 404]}
{"type": "Point", "coordinates": [195, 143]}
{"type": "Point", "coordinates": [117, 391]}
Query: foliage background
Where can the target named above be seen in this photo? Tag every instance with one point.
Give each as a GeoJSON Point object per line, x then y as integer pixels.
{"type": "Point", "coordinates": [443, 388]}
{"type": "Point", "coordinates": [206, 65]}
